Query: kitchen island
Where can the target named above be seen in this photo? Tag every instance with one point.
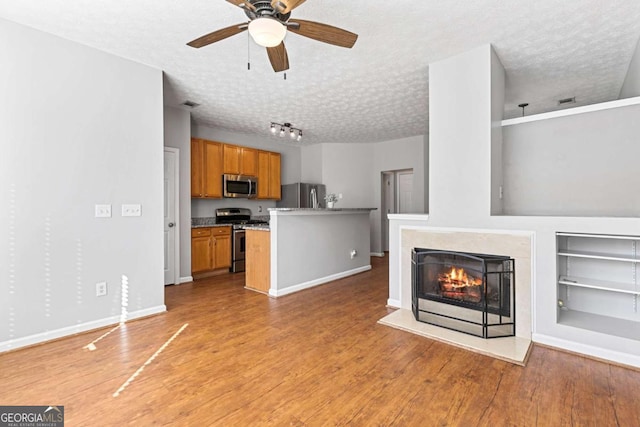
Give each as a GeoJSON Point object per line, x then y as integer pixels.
{"type": "Point", "coordinates": [309, 247]}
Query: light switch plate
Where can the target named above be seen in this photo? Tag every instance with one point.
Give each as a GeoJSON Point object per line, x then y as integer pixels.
{"type": "Point", "coordinates": [101, 289]}
{"type": "Point", "coordinates": [131, 210]}
{"type": "Point", "coordinates": [103, 211]}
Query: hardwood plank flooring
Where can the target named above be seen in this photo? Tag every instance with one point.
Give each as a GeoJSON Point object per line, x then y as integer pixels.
{"type": "Point", "coordinates": [313, 358]}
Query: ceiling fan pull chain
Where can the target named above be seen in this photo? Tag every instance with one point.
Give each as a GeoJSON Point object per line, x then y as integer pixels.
{"type": "Point", "coordinates": [248, 52]}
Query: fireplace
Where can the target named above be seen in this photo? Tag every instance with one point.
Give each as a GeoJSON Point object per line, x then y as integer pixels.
{"type": "Point", "coordinates": [465, 292]}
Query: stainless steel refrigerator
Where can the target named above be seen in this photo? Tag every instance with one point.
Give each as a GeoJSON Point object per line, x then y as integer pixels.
{"type": "Point", "coordinates": [302, 195]}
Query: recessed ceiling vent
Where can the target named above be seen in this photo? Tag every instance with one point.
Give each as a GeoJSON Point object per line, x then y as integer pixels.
{"type": "Point", "coordinates": [190, 104]}
{"type": "Point", "coordinates": [567, 101]}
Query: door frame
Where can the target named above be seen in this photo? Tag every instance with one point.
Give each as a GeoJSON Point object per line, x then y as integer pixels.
{"type": "Point", "coordinates": [176, 214]}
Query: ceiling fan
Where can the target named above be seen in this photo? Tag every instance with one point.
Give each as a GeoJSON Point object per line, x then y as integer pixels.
{"type": "Point", "coordinates": [268, 24]}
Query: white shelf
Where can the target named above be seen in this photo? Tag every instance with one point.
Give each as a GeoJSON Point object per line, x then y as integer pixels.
{"type": "Point", "coordinates": [603, 324]}
{"type": "Point", "coordinates": [596, 295]}
{"type": "Point", "coordinates": [597, 255]}
{"type": "Point", "coordinates": [604, 285]}
{"type": "Point", "coordinates": [599, 236]}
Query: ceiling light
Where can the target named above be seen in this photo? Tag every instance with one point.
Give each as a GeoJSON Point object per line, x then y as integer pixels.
{"type": "Point", "coordinates": [294, 133]}
{"type": "Point", "coordinates": [267, 32]}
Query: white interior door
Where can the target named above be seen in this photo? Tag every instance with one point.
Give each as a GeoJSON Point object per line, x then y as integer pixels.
{"type": "Point", "coordinates": [404, 192]}
{"type": "Point", "coordinates": [171, 238]}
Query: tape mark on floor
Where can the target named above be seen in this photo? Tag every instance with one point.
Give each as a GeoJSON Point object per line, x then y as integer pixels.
{"type": "Point", "coordinates": [148, 362]}
{"type": "Point", "coordinates": [92, 345]}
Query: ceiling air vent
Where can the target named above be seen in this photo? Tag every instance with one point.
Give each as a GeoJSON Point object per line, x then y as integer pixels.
{"type": "Point", "coordinates": [190, 104]}
{"type": "Point", "coordinates": [567, 101]}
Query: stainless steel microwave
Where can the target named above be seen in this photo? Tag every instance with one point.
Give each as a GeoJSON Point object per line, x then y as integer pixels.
{"type": "Point", "coordinates": [239, 186]}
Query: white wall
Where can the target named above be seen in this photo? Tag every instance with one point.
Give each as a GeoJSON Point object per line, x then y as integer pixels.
{"type": "Point", "coordinates": [311, 159]}
{"type": "Point", "coordinates": [631, 85]}
{"type": "Point", "coordinates": [177, 134]}
{"type": "Point", "coordinates": [460, 137]}
{"type": "Point", "coordinates": [78, 127]}
{"type": "Point", "coordinates": [578, 165]}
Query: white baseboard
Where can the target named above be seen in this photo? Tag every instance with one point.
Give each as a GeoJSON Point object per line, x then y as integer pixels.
{"type": "Point", "coordinates": [588, 350]}
{"type": "Point", "coordinates": [394, 303]}
{"type": "Point", "coordinates": [378, 254]}
{"type": "Point", "coordinates": [186, 279]}
{"type": "Point", "coordinates": [76, 329]}
{"type": "Point", "coordinates": [316, 282]}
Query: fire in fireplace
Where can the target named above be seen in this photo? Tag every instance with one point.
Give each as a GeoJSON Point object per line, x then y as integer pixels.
{"type": "Point", "coordinates": [466, 292]}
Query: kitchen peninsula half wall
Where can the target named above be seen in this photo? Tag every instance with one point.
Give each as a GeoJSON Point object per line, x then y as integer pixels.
{"type": "Point", "coordinates": [310, 247]}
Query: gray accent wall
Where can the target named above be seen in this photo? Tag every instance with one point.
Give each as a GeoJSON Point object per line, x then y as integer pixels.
{"type": "Point", "coordinates": [78, 127]}
{"type": "Point", "coordinates": [579, 165]}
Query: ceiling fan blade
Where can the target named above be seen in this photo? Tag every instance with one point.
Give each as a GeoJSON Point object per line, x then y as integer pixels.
{"type": "Point", "coordinates": [218, 35]}
{"type": "Point", "coordinates": [322, 32]}
{"type": "Point", "coordinates": [278, 57]}
{"type": "Point", "coordinates": [285, 6]}
{"type": "Point", "coordinates": [243, 4]}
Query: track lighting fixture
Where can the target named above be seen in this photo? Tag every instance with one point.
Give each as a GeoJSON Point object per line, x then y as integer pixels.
{"type": "Point", "coordinates": [281, 129]}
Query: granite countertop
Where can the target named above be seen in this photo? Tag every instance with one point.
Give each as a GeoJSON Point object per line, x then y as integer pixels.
{"type": "Point", "coordinates": [209, 225]}
{"type": "Point", "coordinates": [257, 227]}
{"type": "Point", "coordinates": [207, 222]}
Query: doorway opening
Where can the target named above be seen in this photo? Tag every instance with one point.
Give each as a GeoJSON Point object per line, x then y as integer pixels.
{"type": "Point", "coordinates": [396, 197]}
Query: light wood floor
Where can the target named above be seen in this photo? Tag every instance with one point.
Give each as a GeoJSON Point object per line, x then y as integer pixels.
{"type": "Point", "coordinates": [314, 358]}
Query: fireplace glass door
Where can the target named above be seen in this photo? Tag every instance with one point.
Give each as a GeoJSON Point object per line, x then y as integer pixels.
{"type": "Point", "coordinates": [471, 293]}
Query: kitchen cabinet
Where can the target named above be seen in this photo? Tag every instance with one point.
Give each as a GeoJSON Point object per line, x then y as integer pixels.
{"type": "Point", "coordinates": [210, 249]}
{"type": "Point", "coordinates": [258, 260]}
{"type": "Point", "coordinates": [206, 169]}
{"type": "Point", "coordinates": [268, 175]}
{"type": "Point", "coordinates": [240, 160]}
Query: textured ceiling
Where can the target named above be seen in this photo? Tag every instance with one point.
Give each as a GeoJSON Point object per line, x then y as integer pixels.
{"type": "Point", "coordinates": [377, 91]}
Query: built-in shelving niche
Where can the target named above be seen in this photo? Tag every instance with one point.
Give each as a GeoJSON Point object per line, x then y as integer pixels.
{"type": "Point", "coordinates": [598, 283]}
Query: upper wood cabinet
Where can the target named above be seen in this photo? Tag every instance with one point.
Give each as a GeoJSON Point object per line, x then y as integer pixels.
{"type": "Point", "coordinates": [240, 160]}
{"type": "Point", "coordinates": [268, 175]}
{"type": "Point", "coordinates": [206, 168]}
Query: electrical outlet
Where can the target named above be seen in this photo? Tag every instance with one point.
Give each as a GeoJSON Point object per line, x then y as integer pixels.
{"type": "Point", "coordinates": [103, 211]}
{"type": "Point", "coordinates": [131, 210]}
{"type": "Point", "coordinates": [501, 192]}
{"type": "Point", "coordinates": [353, 253]}
{"type": "Point", "coordinates": [101, 289]}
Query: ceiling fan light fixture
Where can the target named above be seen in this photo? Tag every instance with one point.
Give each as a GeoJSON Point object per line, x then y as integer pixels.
{"type": "Point", "coordinates": [267, 32]}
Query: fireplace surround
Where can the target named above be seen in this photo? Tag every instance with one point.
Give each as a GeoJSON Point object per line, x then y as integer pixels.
{"type": "Point", "coordinates": [466, 292]}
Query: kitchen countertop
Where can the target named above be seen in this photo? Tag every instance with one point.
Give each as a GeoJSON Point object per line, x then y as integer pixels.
{"type": "Point", "coordinates": [322, 209]}
{"type": "Point", "coordinates": [210, 225]}
{"type": "Point", "coordinates": [257, 227]}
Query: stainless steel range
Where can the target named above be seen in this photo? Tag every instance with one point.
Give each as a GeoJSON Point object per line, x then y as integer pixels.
{"type": "Point", "coordinates": [237, 218]}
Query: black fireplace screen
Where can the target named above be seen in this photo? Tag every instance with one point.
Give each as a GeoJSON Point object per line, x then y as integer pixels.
{"type": "Point", "coordinates": [466, 292]}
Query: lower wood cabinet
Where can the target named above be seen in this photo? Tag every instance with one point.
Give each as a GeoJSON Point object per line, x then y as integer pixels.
{"type": "Point", "coordinates": [210, 249]}
{"type": "Point", "coordinates": [258, 260]}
